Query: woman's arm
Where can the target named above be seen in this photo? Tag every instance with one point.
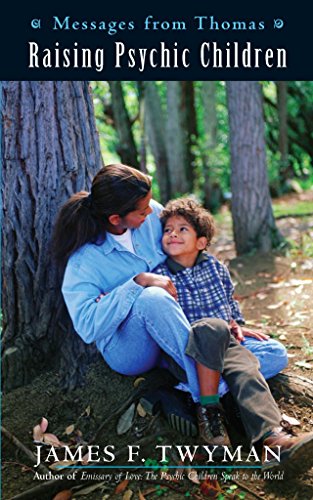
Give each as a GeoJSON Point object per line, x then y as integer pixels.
{"type": "Point", "coordinates": [97, 321]}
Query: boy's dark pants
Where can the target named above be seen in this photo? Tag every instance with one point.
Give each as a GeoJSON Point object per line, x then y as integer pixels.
{"type": "Point", "coordinates": [211, 344]}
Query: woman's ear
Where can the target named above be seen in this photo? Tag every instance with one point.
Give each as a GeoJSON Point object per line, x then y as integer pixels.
{"type": "Point", "coordinates": [115, 219]}
{"type": "Point", "coordinates": [202, 243]}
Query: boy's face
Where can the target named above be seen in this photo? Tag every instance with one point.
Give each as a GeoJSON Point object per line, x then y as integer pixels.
{"type": "Point", "coordinates": [180, 238]}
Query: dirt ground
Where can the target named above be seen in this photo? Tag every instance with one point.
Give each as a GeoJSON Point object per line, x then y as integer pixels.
{"type": "Point", "coordinates": [276, 295]}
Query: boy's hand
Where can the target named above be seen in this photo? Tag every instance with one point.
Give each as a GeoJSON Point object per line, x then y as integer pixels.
{"type": "Point", "coordinates": [151, 279]}
{"type": "Point", "coordinates": [236, 330]}
{"type": "Point", "coordinates": [254, 334]}
{"type": "Point", "coordinates": [240, 333]}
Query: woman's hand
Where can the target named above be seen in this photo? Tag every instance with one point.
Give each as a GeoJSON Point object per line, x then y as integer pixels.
{"type": "Point", "coordinates": [151, 279]}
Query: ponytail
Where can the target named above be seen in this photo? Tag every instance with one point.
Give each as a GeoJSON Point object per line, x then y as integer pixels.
{"type": "Point", "coordinates": [116, 189]}
{"type": "Point", "coordinates": [75, 226]}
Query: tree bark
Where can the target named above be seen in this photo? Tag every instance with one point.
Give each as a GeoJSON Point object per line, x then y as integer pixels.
{"type": "Point", "coordinates": [126, 148]}
{"type": "Point", "coordinates": [212, 190]}
{"type": "Point", "coordinates": [142, 113]}
{"type": "Point", "coordinates": [50, 150]}
{"type": "Point", "coordinates": [176, 139]}
{"type": "Point", "coordinates": [253, 221]}
{"type": "Point", "coordinates": [284, 170]}
{"type": "Point", "coordinates": [190, 116]}
{"type": "Point", "coordinates": [155, 129]}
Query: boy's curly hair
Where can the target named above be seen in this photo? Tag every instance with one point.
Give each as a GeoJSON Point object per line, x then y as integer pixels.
{"type": "Point", "coordinates": [199, 218]}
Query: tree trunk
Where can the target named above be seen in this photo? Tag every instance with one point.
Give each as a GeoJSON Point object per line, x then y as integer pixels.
{"type": "Point", "coordinates": [50, 149]}
{"type": "Point", "coordinates": [291, 386]}
{"type": "Point", "coordinates": [253, 221]}
{"type": "Point", "coordinates": [126, 148]}
{"type": "Point", "coordinates": [155, 129]}
{"type": "Point", "coordinates": [189, 113]}
{"type": "Point", "coordinates": [176, 139]}
{"type": "Point", "coordinates": [284, 169]}
{"type": "Point", "coordinates": [142, 113]}
{"type": "Point", "coordinates": [212, 190]}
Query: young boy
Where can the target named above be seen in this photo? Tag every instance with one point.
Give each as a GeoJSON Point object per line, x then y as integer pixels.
{"type": "Point", "coordinates": [205, 293]}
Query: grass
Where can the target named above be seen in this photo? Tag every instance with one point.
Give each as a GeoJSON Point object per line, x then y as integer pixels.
{"type": "Point", "coordinates": [303, 248]}
{"type": "Point", "coordinates": [307, 348]}
{"type": "Point", "coordinates": [298, 208]}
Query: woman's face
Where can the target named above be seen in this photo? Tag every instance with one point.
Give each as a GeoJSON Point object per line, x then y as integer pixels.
{"type": "Point", "coordinates": [135, 218]}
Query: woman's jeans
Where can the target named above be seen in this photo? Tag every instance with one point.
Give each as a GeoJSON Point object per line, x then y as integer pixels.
{"type": "Point", "coordinates": [157, 323]}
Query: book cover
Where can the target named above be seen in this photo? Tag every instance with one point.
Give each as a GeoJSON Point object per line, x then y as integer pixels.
{"type": "Point", "coordinates": [210, 102]}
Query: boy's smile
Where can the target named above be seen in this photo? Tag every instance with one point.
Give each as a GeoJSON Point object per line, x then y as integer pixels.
{"type": "Point", "coordinates": [181, 242]}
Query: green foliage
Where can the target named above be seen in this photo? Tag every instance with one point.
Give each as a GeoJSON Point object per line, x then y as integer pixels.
{"type": "Point", "coordinates": [300, 140]}
{"type": "Point", "coordinates": [300, 119]}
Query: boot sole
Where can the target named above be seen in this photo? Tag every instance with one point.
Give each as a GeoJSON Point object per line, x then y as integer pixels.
{"type": "Point", "coordinates": [182, 425]}
{"type": "Point", "coordinates": [297, 461]}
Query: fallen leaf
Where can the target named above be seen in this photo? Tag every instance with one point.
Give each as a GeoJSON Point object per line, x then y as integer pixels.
{"type": "Point", "coordinates": [304, 364]}
{"type": "Point", "coordinates": [121, 487]}
{"type": "Point", "coordinates": [140, 496]}
{"type": "Point", "coordinates": [63, 495]}
{"type": "Point", "coordinates": [210, 488]}
{"type": "Point", "coordinates": [192, 475]}
{"type": "Point", "coordinates": [282, 337]}
{"type": "Point", "coordinates": [85, 458]}
{"type": "Point", "coordinates": [276, 306]}
{"type": "Point", "coordinates": [69, 429]}
{"type": "Point", "coordinates": [128, 494]}
{"type": "Point", "coordinates": [39, 430]}
{"type": "Point", "coordinates": [126, 420]}
{"type": "Point", "coordinates": [295, 282]}
{"type": "Point", "coordinates": [149, 491]}
{"type": "Point", "coordinates": [52, 440]}
{"type": "Point", "coordinates": [138, 381]}
{"type": "Point", "coordinates": [44, 424]}
{"type": "Point", "coordinates": [290, 420]}
{"type": "Point", "coordinates": [37, 434]}
{"type": "Point", "coordinates": [141, 411]}
{"type": "Point", "coordinates": [261, 296]}
{"type": "Point", "coordinates": [277, 279]}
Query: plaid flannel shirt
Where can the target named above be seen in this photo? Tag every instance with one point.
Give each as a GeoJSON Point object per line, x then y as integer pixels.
{"type": "Point", "coordinates": [204, 290]}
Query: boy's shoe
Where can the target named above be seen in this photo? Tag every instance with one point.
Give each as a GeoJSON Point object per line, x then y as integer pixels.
{"type": "Point", "coordinates": [177, 407]}
{"type": "Point", "coordinates": [296, 452]}
{"type": "Point", "coordinates": [212, 429]}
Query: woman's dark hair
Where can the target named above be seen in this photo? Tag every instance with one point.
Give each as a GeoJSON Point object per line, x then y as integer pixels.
{"type": "Point", "coordinates": [116, 189]}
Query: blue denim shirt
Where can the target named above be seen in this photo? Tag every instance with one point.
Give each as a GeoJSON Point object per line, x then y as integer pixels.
{"type": "Point", "coordinates": [109, 268]}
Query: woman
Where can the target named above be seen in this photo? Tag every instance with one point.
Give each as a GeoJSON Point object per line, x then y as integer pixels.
{"type": "Point", "coordinates": [109, 241]}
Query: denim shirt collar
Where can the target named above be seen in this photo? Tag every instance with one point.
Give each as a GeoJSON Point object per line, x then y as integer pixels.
{"type": "Point", "coordinates": [110, 244]}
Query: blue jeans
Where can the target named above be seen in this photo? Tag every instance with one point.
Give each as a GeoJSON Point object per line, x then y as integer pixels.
{"type": "Point", "coordinates": [157, 323]}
